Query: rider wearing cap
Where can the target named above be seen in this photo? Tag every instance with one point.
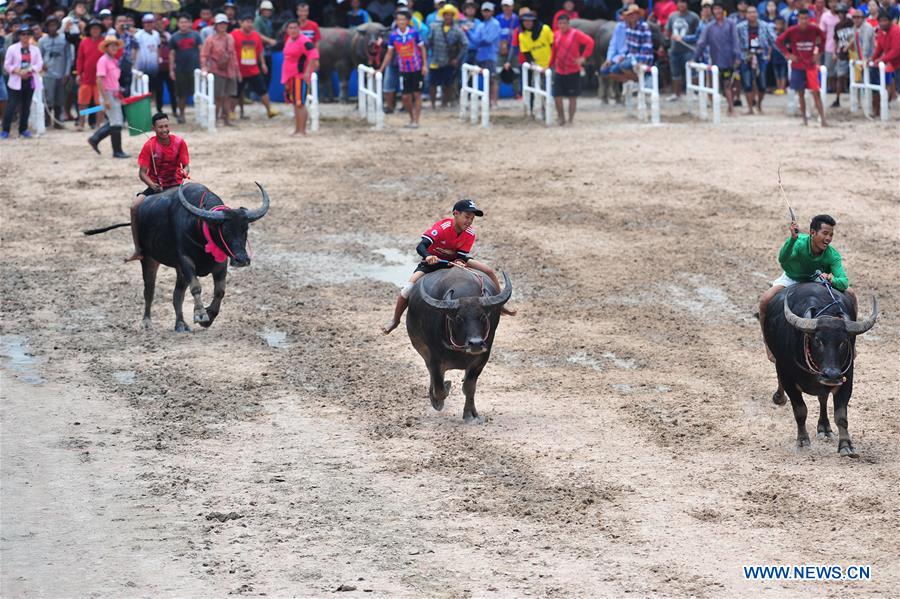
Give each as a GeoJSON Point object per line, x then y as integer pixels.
{"type": "Point", "coordinates": [447, 242]}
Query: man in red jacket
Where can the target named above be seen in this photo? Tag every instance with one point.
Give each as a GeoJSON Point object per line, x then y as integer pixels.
{"type": "Point", "coordinates": [570, 49]}
{"type": "Point", "coordinates": [805, 41]}
{"type": "Point", "coordinates": [887, 50]}
{"type": "Point", "coordinates": [86, 71]}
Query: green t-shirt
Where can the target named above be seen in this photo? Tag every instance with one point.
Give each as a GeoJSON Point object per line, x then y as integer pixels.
{"type": "Point", "coordinates": [800, 264]}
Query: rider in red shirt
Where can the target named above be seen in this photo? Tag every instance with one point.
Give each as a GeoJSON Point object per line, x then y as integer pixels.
{"type": "Point", "coordinates": [163, 164]}
{"type": "Point", "coordinates": [447, 242]}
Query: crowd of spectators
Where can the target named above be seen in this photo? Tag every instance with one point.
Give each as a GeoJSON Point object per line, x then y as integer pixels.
{"type": "Point", "coordinates": [55, 47]}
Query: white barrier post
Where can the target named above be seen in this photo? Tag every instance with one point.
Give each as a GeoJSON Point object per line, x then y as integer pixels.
{"type": "Point", "coordinates": [312, 102]}
{"type": "Point", "coordinates": [470, 94]}
{"type": "Point", "coordinates": [369, 96]}
{"type": "Point", "coordinates": [205, 100]}
{"type": "Point", "coordinates": [652, 91]}
{"type": "Point", "coordinates": [702, 90]}
{"type": "Point", "coordinates": [823, 85]}
{"type": "Point", "coordinates": [534, 91]}
{"type": "Point", "coordinates": [866, 87]}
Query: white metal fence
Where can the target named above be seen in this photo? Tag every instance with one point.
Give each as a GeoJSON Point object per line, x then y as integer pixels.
{"type": "Point", "coordinates": [861, 84]}
{"type": "Point", "coordinates": [140, 83]}
{"type": "Point", "coordinates": [471, 97]}
{"type": "Point", "coordinates": [205, 100]}
{"type": "Point", "coordinates": [369, 96]}
{"type": "Point", "coordinates": [537, 91]}
{"type": "Point", "coordinates": [312, 102]}
{"type": "Point", "coordinates": [646, 86]}
{"type": "Point", "coordinates": [700, 90]}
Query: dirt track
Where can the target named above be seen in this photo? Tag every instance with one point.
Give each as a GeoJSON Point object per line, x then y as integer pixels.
{"type": "Point", "coordinates": [630, 443]}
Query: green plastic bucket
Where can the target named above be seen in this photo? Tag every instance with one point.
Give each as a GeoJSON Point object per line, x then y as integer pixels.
{"type": "Point", "coordinates": [137, 113]}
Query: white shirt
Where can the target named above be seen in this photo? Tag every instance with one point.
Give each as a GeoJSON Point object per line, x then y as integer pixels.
{"type": "Point", "coordinates": [148, 51]}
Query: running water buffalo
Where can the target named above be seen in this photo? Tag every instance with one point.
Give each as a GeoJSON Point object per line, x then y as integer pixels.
{"type": "Point", "coordinates": [452, 318]}
{"type": "Point", "coordinates": [342, 50]}
{"type": "Point", "coordinates": [190, 229]}
{"type": "Point", "coordinates": [814, 354]}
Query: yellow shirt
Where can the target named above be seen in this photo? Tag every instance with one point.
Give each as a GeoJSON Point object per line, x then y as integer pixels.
{"type": "Point", "coordinates": [539, 48]}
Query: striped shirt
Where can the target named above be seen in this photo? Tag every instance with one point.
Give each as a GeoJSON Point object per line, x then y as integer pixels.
{"type": "Point", "coordinates": [639, 44]}
{"type": "Point", "coordinates": [406, 45]}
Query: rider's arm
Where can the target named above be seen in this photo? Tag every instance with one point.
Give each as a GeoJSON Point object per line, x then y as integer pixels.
{"type": "Point", "coordinates": [839, 278]}
{"type": "Point", "coordinates": [786, 250]}
{"type": "Point", "coordinates": [422, 248]}
{"type": "Point", "coordinates": [145, 177]}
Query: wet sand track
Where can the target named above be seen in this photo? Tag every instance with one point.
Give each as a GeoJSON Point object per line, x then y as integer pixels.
{"type": "Point", "coordinates": [630, 442]}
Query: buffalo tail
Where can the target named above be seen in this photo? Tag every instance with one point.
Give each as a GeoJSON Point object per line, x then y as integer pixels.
{"type": "Point", "coordinates": [105, 229]}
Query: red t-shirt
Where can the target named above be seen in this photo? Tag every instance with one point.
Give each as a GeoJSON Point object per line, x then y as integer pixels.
{"type": "Point", "coordinates": [803, 42]}
{"type": "Point", "coordinates": [446, 243]}
{"type": "Point", "coordinates": [86, 61]}
{"type": "Point", "coordinates": [163, 163]}
{"type": "Point", "coordinates": [248, 47]}
{"type": "Point", "coordinates": [663, 10]}
{"type": "Point", "coordinates": [311, 30]}
{"type": "Point", "coordinates": [567, 48]}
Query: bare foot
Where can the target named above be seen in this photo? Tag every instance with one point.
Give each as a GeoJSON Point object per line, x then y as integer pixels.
{"type": "Point", "coordinates": [298, 134]}
{"type": "Point", "coordinates": [390, 326]}
{"type": "Point", "coordinates": [134, 256]}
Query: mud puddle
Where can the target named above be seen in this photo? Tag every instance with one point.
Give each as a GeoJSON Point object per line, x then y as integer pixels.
{"type": "Point", "coordinates": [15, 349]}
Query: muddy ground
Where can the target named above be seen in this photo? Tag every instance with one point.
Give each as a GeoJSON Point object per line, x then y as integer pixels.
{"type": "Point", "coordinates": [630, 444]}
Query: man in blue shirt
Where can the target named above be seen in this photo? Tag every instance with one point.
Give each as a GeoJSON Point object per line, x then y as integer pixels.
{"type": "Point", "coordinates": [721, 38]}
{"type": "Point", "coordinates": [486, 39]}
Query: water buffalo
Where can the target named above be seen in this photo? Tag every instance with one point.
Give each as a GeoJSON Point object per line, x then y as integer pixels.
{"type": "Point", "coordinates": [814, 354]}
{"type": "Point", "coordinates": [190, 229]}
{"type": "Point", "coordinates": [452, 318]}
{"type": "Point", "coordinates": [342, 50]}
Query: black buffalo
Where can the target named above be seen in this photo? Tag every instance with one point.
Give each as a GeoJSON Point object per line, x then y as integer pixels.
{"type": "Point", "coordinates": [452, 319]}
{"type": "Point", "coordinates": [814, 354]}
{"type": "Point", "coordinates": [170, 228]}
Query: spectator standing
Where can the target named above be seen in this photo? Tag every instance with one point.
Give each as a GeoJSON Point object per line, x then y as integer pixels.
{"type": "Point", "coordinates": [739, 15]}
{"type": "Point", "coordinates": [301, 59]}
{"type": "Point", "coordinates": [357, 15]}
{"type": "Point", "coordinates": [23, 63]}
{"type": "Point", "coordinates": [801, 45]}
{"type": "Point", "coordinates": [229, 9]}
{"type": "Point", "coordinates": [165, 49]}
{"type": "Point", "coordinates": [381, 11]}
{"type": "Point", "coordinates": [682, 30]}
{"type": "Point", "coordinates": [86, 68]}
{"type": "Point", "coordinates": [535, 41]}
{"type": "Point", "coordinates": [568, 9]}
{"type": "Point", "coordinates": [4, 94]}
{"type": "Point", "coordinates": [487, 45]}
{"type": "Point", "coordinates": [308, 27]}
{"type": "Point", "coordinates": [266, 29]}
{"type": "Point", "coordinates": [111, 95]}
{"type": "Point", "coordinates": [770, 12]}
{"type": "Point", "coordinates": [509, 23]}
{"type": "Point", "coordinates": [146, 57]}
{"type": "Point", "coordinates": [203, 20]}
{"type": "Point", "coordinates": [469, 23]}
{"type": "Point", "coordinates": [59, 58]}
{"type": "Point", "coordinates": [184, 57]}
{"type": "Point", "coordinates": [756, 41]}
{"type": "Point", "coordinates": [447, 46]}
{"type": "Point", "coordinates": [843, 37]}
{"type": "Point", "coordinates": [106, 19]}
{"type": "Point", "coordinates": [662, 10]}
{"type": "Point", "coordinates": [249, 48]}
{"type": "Point", "coordinates": [129, 45]}
{"type": "Point", "coordinates": [779, 62]}
{"type": "Point", "coordinates": [887, 50]}
{"type": "Point", "coordinates": [827, 20]}
{"type": "Point", "coordinates": [862, 44]}
{"type": "Point", "coordinates": [217, 56]}
{"type": "Point", "coordinates": [571, 48]}
{"type": "Point", "coordinates": [406, 44]}
{"type": "Point", "coordinates": [720, 36]}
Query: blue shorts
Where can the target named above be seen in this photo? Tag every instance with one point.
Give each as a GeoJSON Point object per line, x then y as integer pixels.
{"type": "Point", "coordinates": [490, 65]}
{"type": "Point", "coordinates": [805, 79]}
{"type": "Point", "coordinates": [391, 81]}
{"type": "Point", "coordinates": [747, 77]}
{"type": "Point", "coordinates": [625, 66]}
{"type": "Point", "coordinates": [442, 76]}
{"type": "Point", "coordinates": [677, 61]}
{"type": "Point", "coordinates": [875, 77]}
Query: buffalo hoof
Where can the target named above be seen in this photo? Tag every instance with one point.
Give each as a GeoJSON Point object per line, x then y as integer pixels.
{"type": "Point", "coordinates": [778, 398]}
{"type": "Point", "coordinates": [473, 419]}
{"type": "Point", "coordinates": [201, 317]}
{"type": "Point", "coordinates": [438, 402]}
{"type": "Point", "coordinates": [803, 442]}
{"type": "Point", "coordinates": [824, 432]}
{"type": "Point", "coordinates": [182, 327]}
{"type": "Point", "coordinates": [845, 448]}
{"type": "Point", "coordinates": [147, 324]}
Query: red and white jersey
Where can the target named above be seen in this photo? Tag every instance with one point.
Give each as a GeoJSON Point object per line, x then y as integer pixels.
{"type": "Point", "coordinates": [446, 244]}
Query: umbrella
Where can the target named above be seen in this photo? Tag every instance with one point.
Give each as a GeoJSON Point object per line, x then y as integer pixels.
{"type": "Point", "coordinates": [153, 6]}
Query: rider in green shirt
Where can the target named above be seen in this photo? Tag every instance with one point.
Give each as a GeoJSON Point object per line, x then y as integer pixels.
{"type": "Point", "coordinates": [801, 256]}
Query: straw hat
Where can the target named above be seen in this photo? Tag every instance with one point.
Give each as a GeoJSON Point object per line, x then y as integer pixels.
{"type": "Point", "coordinates": [110, 39]}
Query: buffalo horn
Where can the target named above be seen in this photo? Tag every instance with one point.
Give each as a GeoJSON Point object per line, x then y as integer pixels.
{"type": "Point", "coordinates": [502, 297]}
{"type": "Point", "coordinates": [260, 212]}
{"type": "Point", "coordinates": [859, 327]}
{"type": "Point", "coordinates": [443, 305]}
{"type": "Point", "coordinates": [207, 215]}
{"type": "Point", "coordinates": [805, 325]}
